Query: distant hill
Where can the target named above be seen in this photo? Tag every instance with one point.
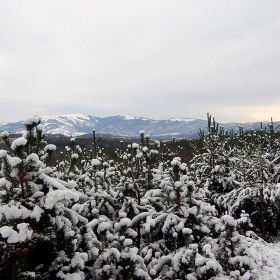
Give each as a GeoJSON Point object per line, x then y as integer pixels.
{"type": "Point", "coordinates": [123, 125]}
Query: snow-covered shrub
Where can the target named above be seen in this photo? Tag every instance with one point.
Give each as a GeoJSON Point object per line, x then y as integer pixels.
{"type": "Point", "coordinates": [145, 216]}
{"type": "Point", "coordinates": [241, 172]}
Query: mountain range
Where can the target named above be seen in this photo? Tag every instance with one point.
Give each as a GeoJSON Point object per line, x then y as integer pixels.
{"type": "Point", "coordinates": [125, 126]}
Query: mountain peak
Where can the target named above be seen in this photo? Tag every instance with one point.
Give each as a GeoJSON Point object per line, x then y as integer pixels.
{"type": "Point", "coordinates": [69, 116]}
{"type": "Point", "coordinates": [124, 125]}
{"type": "Point", "coordinates": [127, 117]}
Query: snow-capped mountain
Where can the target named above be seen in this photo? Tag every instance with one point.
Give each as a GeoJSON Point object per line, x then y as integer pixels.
{"type": "Point", "coordinates": [124, 125]}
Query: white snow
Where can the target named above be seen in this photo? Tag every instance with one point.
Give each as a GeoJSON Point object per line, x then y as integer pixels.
{"type": "Point", "coordinates": [6, 183]}
{"type": "Point", "coordinates": [8, 232]}
{"type": "Point", "coordinates": [95, 162]}
{"type": "Point", "coordinates": [40, 127]}
{"type": "Point", "coordinates": [14, 161]}
{"type": "Point", "coordinates": [103, 226]}
{"type": "Point", "coordinates": [109, 238]}
{"type": "Point", "coordinates": [69, 276]}
{"type": "Point", "coordinates": [50, 148]}
{"type": "Point", "coordinates": [24, 231]}
{"type": "Point", "coordinates": [145, 149]}
{"type": "Point", "coordinates": [4, 134]}
{"type": "Point", "coordinates": [31, 120]}
{"type": "Point", "coordinates": [73, 117]}
{"type": "Point", "coordinates": [182, 119]}
{"type": "Point", "coordinates": [3, 153]}
{"type": "Point", "coordinates": [14, 211]}
{"type": "Point", "coordinates": [79, 260]}
{"type": "Point", "coordinates": [176, 161]}
{"type": "Point", "coordinates": [58, 195]}
{"type": "Point", "coordinates": [178, 184]}
{"type": "Point", "coordinates": [135, 145]}
{"type": "Point", "coordinates": [267, 258]}
{"type": "Point", "coordinates": [125, 222]}
{"type": "Point", "coordinates": [37, 211]}
{"type": "Point", "coordinates": [18, 142]}
{"type": "Point", "coordinates": [127, 242]}
{"type": "Point", "coordinates": [72, 184]}
{"type": "Point", "coordinates": [229, 220]}
{"type": "Point", "coordinates": [127, 117]}
{"type": "Point", "coordinates": [75, 156]}
{"type": "Point", "coordinates": [28, 274]}
{"type": "Point", "coordinates": [32, 157]}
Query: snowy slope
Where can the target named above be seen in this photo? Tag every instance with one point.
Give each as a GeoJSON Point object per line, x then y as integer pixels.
{"type": "Point", "coordinates": [268, 255]}
{"type": "Point", "coordinates": [123, 125]}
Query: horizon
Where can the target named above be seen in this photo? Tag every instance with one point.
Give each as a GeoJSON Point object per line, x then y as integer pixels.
{"type": "Point", "coordinates": [127, 117]}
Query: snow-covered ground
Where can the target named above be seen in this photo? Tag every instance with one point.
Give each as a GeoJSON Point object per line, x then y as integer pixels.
{"type": "Point", "coordinates": [266, 256]}
{"type": "Point", "coordinates": [268, 259]}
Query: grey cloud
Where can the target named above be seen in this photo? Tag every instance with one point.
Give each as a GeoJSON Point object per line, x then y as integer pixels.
{"type": "Point", "coordinates": [158, 59]}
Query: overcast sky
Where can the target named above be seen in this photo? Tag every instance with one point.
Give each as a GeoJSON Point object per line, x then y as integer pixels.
{"type": "Point", "coordinates": [156, 58]}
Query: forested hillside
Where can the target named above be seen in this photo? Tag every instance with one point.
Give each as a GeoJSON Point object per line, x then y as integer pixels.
{"type": "Point", "coordinates": [145, 214]}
